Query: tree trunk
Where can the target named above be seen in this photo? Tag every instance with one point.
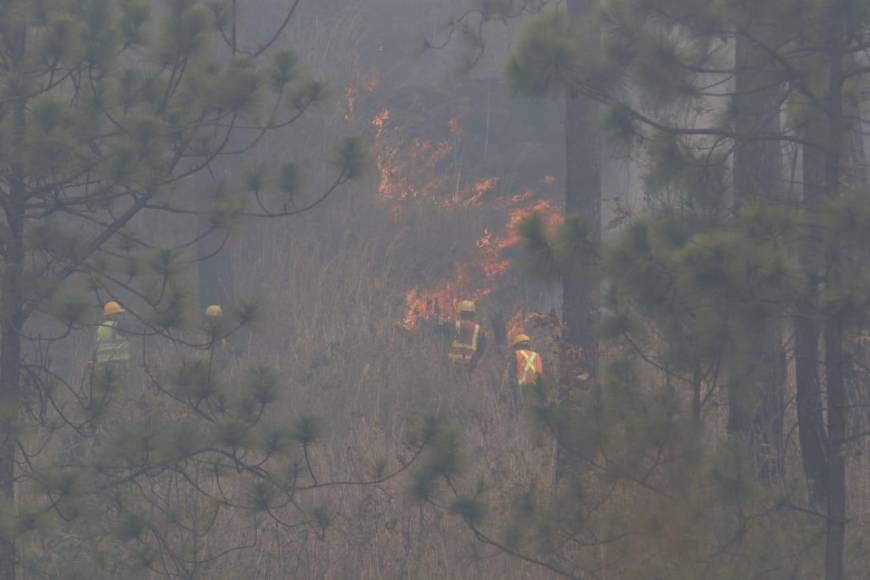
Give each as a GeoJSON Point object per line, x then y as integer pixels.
{"type": "Point", "coordinates": [835, 545]}
{"type": "Point", "coordinates": [215, 267]}
{"type": "Point", "coordinates": [10, 368]}
{"type": "Point", "coordinates": [837, 407]}
{"type": "Point", "coordinates": [811, 430]}
{"type": "Point", "coordinates": [580, 289]}
{"type": "Point", "coordinates": [12, 314]}
{"type": "Point", "coordinates": [757, 175]}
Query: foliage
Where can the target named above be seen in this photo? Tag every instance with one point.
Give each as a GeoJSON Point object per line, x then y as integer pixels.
{"type": "Point", "coordinates": [695, 285]}
{"type": "Point", "coordinates": [110, 109]}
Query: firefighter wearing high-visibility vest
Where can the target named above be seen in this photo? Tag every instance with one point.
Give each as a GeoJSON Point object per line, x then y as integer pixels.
{"type": "Point", "coordinates": [113, 348]}
{"type": "Point", "coordinates": [111, 362]}
{"type": "Point", "coordinates": [524, 368]}
{"type": "Point", "coordinates": [468, 341]}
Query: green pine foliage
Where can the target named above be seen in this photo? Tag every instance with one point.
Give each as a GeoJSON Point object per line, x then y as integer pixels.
{"type": "Point", "coordinates": [692, 288]}
{"type": "Point", "coordinates": [108, 109]}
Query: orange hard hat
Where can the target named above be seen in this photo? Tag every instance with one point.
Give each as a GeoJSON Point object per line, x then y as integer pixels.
{"type": "Point", "coordinates": [112, 307]}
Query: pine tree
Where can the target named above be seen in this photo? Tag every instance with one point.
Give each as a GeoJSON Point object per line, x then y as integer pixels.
{"type": "Point", "coordinates": [758, 176]}
{"type": "Point", "coordinates": [109, 110]}
{"type": "Point", "coordinates": [535, 71]}
{"type": "Point", "coordinates": [696, 285]}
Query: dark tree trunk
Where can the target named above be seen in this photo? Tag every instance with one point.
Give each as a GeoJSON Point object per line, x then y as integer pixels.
{"type": "Point", "coordinates": [758, 175]}
{"type": "Point", "coordinates": [837, 407]}
{"type": "Point", "coordinates": [580, 289]}
{"type": "Point", "coordinates": [12, 315]}
{"type": "Point", "coordinates": [214, 255]}
{"type": "Point", "coordinates": [10, 374]}
{"type": "Point", "coordinates": [215, 268]}
{"type": "Point", "coordinates": [811, 429]}
{"type": "Point", "coordinates": [835, 360]}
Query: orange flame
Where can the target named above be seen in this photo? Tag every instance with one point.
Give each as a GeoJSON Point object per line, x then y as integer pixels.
{"type": "Point", "coordinates": [437, 303]}
{"type": "Point", "coordinates": [491, 263]}
{"type": "Point", "coordinates": [404, 175]}
{"type": "Point", "coordinates": [414, 169]}
{"type": "Point", "coordinates": [492, 248]}
{"type": "Point", "coordinates": [471, 195]}
{"type": "Point", "coordinates": [380, 121]}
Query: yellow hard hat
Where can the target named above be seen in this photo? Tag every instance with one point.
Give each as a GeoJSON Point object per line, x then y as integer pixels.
{"type": "Point", "coordinates": [112, 307]}
{"type": "Point", "coordinates": [214, 311]}
{"type": "Point", "coordinates": [520, 338]}
{"type": "Point", "coordinates": [467, 306]}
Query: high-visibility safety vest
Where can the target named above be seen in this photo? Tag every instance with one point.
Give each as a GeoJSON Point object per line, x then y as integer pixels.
{"type": "Point", "coordinates": [529, 367]}
{"type": "Point", "coordinates": [111, 345]}
{"type": "Point", "coordinates": [464, 345]}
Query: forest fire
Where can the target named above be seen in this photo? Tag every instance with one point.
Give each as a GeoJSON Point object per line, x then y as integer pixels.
{"type": "Point", "coordinates": [436, 303]}
{"type": "Point", "coordinates": [492, 248]}
{"type": "Point", "coordinates": [516, 324]}
{"type": "Point", "coordinates": [380, 122]}
{"type": "Point", "coordinates": [484, 270]}
{"type": "Point", "coordinates": [470, 195]}
{"type": "Point", "coordinates": [415, 169]}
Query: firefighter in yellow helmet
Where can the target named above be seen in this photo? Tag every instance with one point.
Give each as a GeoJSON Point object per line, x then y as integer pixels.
{"type": "Point", "coordinates": [525, 367]}
{"type": "Point", "coordinates": [112, 354]}
{"type": "Point", "coordinates": [468, 342]}
{"type": "Point", "coordinates": [217, 347]}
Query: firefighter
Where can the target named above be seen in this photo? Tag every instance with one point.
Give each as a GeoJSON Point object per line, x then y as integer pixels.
{"type": "Point", "coordinates": [524, 368]}
{"type": "Point", "coordinates": [218, 345]}
{"type": "Point", "coordinates": [113, 348]}
{"type": "Point", "coordinates": [469, 341]}
{"type": "Point", "coordinates": [112, 355]}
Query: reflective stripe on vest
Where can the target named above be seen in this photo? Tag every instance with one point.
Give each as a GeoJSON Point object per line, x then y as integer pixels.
{"type": "Point", "coordinates": [464, 350]}
{"type": "Point", "coordinates": [528, 366]}
{"type": "Point", "coordinates": [111, 346]}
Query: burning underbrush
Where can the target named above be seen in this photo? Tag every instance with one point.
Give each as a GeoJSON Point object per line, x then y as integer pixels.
{"type": "Point", "coordinates": [426, 173]}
